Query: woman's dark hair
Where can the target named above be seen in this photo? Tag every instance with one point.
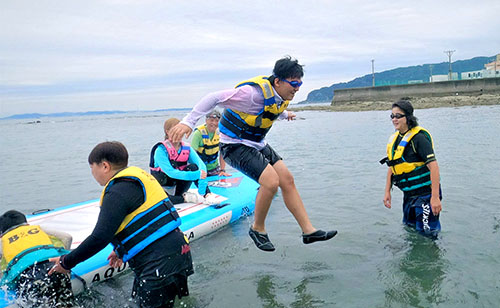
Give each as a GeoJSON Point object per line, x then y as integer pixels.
{"type": "Point", "coordinates": [11, 219]}
{"type": "Point", "coordinates": [407, 108]}
{"type": "Point", "coordinates": [113, 152]}
{"type": "Point", "coordinates": [288, 68]}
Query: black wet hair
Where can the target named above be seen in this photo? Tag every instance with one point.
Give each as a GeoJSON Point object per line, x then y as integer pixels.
{"type": "Point", "coordinates": [287, 67]}
{"type": "Point", "coordinates": [113, 152]}
{"type": "Point", "coordinates": [11, 219]}
{"type": "Point", "coordinates": [405, 105]}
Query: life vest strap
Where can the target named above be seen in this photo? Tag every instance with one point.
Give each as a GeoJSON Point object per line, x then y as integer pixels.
{"type": "Point", "coordinates": [240, 128]}
{"type": "Point", "coordinates": [28, 251]}
{"type": "Point", "coordinates": [144, 218]}
{"type": "Point", "coordinates": [269, 115]}
{"type": "Point", "coordinates": [162, 219]}
{"type": "Point", "coordinates": [178, 165]}
{"type": "Point", "coordinates": [152, 156]}
{"type": "Point", "coordinates": [208, 159]}
{"type": "Point", "coordinates": [413, 182]}
{"type": "Point", "coordinates": [210, 146]}
{"type": "Point", "coordinates": [395, 162]}
{"type": "Point", "coordinates": [123, 249]}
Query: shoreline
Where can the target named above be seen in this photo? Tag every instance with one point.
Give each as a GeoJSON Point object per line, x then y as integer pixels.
{"type": "Point", "coordinates": [417, 102]}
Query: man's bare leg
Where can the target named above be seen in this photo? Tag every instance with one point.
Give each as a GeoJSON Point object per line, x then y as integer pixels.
{"type": "Point", "coordinates": [291, 196]}
{"type": "Point", "coordinates": [272, 178]}
{"type": "Point", "coordinates": [269, 182]}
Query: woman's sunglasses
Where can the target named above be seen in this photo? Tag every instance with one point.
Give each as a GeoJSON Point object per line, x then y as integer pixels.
{"type": "Point", "coordinates": [397, 115]}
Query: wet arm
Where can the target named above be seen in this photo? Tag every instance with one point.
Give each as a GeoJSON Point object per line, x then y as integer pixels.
{"type": "Point", "coordinates": [435, 198]}
{"type": "Point", "coordinates": [161, 158]}
{"type": "Point", "coordinates": [112, 214]}
{"type": "Point", "coordinates": [195, 159]}
{"type": "Point", "coordinates": [388, 186]}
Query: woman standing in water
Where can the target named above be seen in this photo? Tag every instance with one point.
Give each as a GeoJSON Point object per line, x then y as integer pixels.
{"type": "Point", "coordinates": [414, 169]}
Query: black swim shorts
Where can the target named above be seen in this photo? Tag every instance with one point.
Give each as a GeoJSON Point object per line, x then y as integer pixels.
{"type": "Point", "coordinates": [248, 160]}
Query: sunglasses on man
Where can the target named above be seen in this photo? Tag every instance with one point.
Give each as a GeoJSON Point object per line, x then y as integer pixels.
{"type": "Point", "coordinates": [294, 83]}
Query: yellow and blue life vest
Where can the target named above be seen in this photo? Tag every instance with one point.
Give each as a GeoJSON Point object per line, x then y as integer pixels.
{"type": "Point", "coordinates": [254, 127]}
{"type": "Point", "coordinates": [23, 246]}
{"type": "Point", "coordinates": [408, 176]}
{"type": "Point", "coordinates": [209, 152]}
{"type": "Point", "coordinates": [155, 218]}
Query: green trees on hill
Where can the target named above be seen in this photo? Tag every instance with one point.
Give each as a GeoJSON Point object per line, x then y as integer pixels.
{"type": "Point", "coordinates": [401, 75]}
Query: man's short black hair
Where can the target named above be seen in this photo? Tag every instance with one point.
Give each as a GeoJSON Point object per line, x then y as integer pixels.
{"type": "Point", "coordinates": [288, 68]}
{"type": "Point", "coordinates": [11, 219]}
{"type": "Point", "coordinates": [113, 152]}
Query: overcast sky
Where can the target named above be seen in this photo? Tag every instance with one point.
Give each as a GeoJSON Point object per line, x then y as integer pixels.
{"type": "Point", "coordinates": [60, 56]}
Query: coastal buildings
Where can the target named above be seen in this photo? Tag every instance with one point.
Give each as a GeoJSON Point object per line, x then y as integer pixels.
{"type": "Point", "coordinates": [490, 70]}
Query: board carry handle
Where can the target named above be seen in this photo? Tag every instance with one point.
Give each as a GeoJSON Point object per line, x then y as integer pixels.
{"type": "Point", "coordinates": [41, 211]}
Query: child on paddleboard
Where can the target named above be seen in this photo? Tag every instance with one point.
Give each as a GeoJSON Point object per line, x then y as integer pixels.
{"type": "Point", "coordinates": [173, 164]}
{"type": "Point", "coordinates": [25, 251]}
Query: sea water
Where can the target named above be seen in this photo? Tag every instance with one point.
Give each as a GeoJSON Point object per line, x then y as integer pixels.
{"type": "Point", "coordinates": [374, 261]}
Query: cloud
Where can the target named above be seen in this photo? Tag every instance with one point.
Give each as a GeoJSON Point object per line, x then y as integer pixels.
{"type": "Point", "coordinates": [75, 48]}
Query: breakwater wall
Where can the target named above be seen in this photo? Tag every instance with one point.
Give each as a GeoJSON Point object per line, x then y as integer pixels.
{"type": "Point", "coordinates": [470, 87]}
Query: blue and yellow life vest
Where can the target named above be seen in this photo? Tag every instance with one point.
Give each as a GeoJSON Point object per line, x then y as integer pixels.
{"type": "Point", "coordinates": [254, 127]}
{"type": "Point", "coordinates": [155, 218]}
{"type": "Point", "coordinates": [209, 152]}
{"type": "Point", "coordinates": [25, 245]}
{"type": "Point", "coordinates": [408, 176]}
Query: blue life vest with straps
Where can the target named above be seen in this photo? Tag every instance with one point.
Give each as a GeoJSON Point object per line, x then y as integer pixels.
{"type": "Point", "coordinates": [155, 218]}
{"type": "Point", "coordinates": [254, 127]}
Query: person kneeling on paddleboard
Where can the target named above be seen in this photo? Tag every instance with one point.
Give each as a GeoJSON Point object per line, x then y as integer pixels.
{"type": "Point", "coordinates": [175, 166]}
{"type": "Point", "coordinates": [25, 251]}
{"type": "Point", "coordinates": [141, 223]}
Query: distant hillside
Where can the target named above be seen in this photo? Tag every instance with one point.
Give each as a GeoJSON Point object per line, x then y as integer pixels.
{"type": "Point", "coordinates": [59, 114]}
{"type": "Point", "coordinates": [399, 75]}
{"type": "Point", "coordinates": [86, 113]}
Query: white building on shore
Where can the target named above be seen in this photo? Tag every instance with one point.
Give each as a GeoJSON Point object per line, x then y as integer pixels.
{"type": "Point", "coordinates": [490, 70]}
{"type": "Point", "coordinates": [437, 78]}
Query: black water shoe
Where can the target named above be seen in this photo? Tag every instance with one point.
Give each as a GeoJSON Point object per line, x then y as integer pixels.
{"type": "Point", "coordinates": [261, 240]}
{"type": "Point", "coordinates": [319, 235]}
